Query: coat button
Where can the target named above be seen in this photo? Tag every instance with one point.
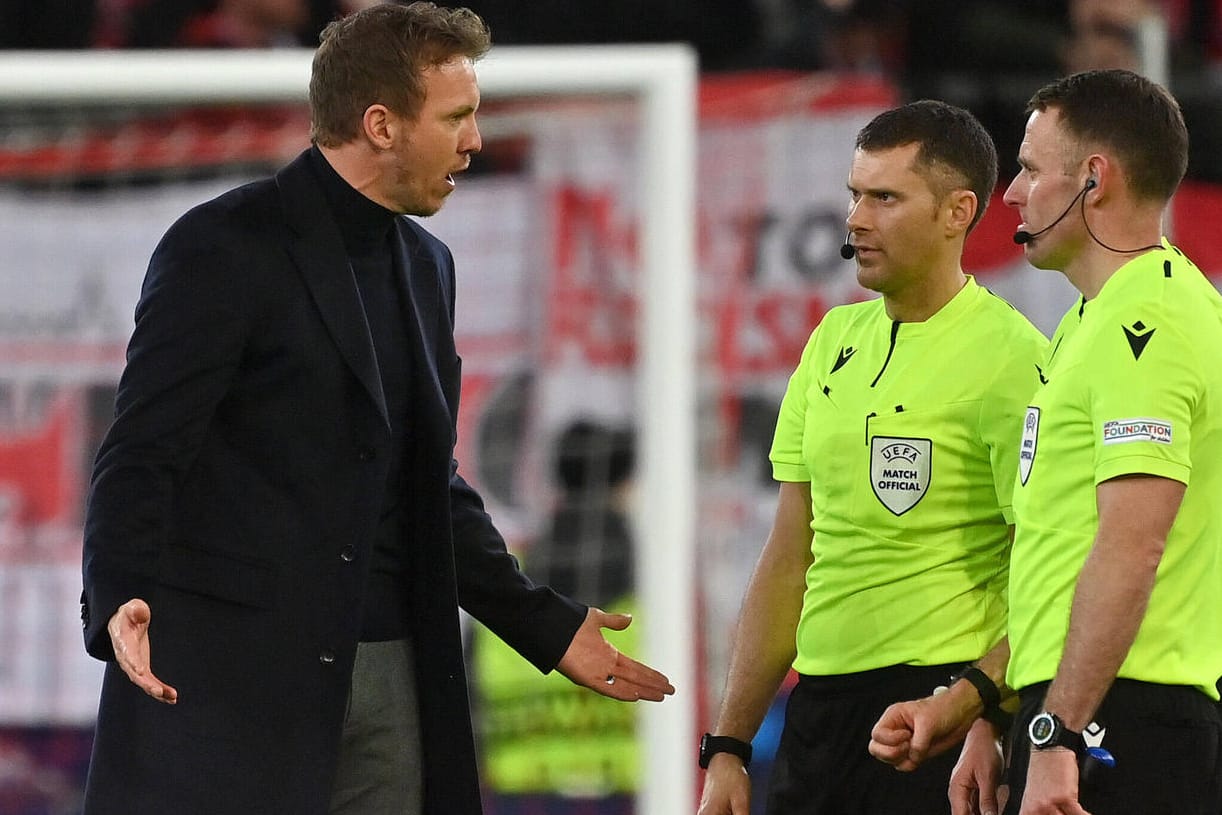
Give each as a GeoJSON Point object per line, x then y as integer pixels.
{"type": "Point", "coordinates": [326, 657]}
{"type": "Point", "coordinates": [366, 454]}
{"type": "Point", "coordinates": [349, 553]}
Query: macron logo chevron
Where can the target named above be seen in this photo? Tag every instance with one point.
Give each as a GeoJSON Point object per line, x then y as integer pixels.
{"type": "Point", "coordinates": [843, 357]}
{"type": "Point", "coordinates": [1138, 336]}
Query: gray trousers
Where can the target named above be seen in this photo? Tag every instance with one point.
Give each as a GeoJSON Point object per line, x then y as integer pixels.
{"type": "Point", "coordinates": [379, 770]}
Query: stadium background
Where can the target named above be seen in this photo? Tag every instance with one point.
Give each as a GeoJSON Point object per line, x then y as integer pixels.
{"type": "Point", "coordinates": [544, 231]}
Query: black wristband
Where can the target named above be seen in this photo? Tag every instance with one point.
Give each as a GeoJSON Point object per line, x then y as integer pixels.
{"type": "Point", "coordinates": [989, 694]}
{"type": "Point", "coordinates": [710, 745]}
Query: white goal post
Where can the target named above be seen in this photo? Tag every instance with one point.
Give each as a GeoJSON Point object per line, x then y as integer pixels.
{"type": "Point", "coordinates": [663, 79]}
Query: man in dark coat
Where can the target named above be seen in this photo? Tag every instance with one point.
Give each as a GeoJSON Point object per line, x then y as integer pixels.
{"type": "Point", "coordinates": [277, 539]}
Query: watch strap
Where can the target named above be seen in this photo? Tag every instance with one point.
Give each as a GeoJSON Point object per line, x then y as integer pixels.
{"type": "Point", "coordinates": [989, 693]}
{"type": "Point", "coordinates": [711, 745]}
{"type": "Point", "coordinates": [990, 696]}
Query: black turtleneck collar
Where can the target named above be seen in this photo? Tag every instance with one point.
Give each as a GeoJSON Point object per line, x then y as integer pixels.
{"type": "Point", "coordinates": [363, 223]}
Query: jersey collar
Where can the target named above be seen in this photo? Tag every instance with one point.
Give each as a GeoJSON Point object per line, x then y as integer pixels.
{"type": "Point", "coordinates": [1135, 268]}
{"type": "Point", "coordinates": [962, 303]}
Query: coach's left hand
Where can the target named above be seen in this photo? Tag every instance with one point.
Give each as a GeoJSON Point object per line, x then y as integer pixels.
{"type": "Point", "coordinates": [594, 663]}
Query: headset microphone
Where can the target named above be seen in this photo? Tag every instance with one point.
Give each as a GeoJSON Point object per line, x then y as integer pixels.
{"type": "Point", "coordinates": [848, 251]}
{"type": "Point", "coordinates": [1023, 236]}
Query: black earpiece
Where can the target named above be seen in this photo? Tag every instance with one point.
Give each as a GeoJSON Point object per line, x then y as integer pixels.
{"type": "Point", "coordinates": [1022, 236]}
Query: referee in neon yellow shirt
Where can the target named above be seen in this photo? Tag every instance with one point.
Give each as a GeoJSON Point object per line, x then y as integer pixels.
{"type": "Point", "coordinates": [1115, 620]}
{"type": "Point", "coordinates": [896, 448]}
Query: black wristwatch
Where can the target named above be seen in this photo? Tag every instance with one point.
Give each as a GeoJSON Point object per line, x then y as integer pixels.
{"type": "Point", "coordinates": [1047, 731]}
{"type": "Point", "coordinates": [711, 745]}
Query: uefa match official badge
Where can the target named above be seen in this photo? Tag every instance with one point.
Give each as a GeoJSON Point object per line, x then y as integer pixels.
{"type": "Point", "coordinates": [900, 471]}
{"type": "Point", "coordinates": [1030, 440]}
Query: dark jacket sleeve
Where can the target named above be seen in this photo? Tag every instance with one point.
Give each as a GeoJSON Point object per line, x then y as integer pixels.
{"type": "Point", "coordinates": [535, 621]}
{"type": "Point", "coordinates": [185, 348]}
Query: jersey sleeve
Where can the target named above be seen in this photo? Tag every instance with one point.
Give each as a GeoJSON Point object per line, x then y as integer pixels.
{"type": "Point", "coordinates": [786, 454]}
{"type": "Point", "coordinates": [1142, 394]}
{"type": "Point", "coordinates": [1002, 411]}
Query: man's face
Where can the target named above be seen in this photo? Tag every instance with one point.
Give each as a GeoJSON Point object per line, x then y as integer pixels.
{"type": "Point", "coordinates": [1044, 186]}
{"type": "Point", "coordinates": [430, 149]}
{"type": "Point", "coordinates": [893, 219]}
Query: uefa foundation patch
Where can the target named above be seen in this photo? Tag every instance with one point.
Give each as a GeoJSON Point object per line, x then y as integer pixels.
{"type": "Point", "coordinates": [1120, 431]}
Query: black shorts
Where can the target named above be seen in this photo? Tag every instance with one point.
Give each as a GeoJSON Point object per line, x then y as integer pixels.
{"type": "Point", "coordinates": [1167, 743]}
{"type": "Point", "coordinates": [823, 765]}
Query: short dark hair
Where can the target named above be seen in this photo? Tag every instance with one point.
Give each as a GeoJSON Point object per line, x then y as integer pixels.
{"type": "Point", "coordinates": [378, 55]}
{"type": "Point", "coordinates": [1137, 118]}
{"type": "Point", "coordinates": [956, 152]}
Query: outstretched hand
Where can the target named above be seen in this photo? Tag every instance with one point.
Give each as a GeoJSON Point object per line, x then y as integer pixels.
{"type": "Point", "coordinates": [129, 636]}
{"type": "Point", "coordinates": [594, 663]}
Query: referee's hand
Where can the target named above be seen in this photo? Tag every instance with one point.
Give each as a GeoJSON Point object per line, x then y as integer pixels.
{"type": "Point", "coordinates": [975, 783]}
{"type": "Point", "coordinates": [909, 732]}
{"type": "Point", "coordinates": [727, 787]}
{"type": "Point", "coordinates": [1052, 783]}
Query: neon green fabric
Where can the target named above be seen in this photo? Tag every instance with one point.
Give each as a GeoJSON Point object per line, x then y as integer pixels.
{"type": "Point", "coordinates": [547, 735]}
{"type": "Point", "coordinates": [1134, 387]}
{"type": "Point", "coordinates": [910, 448]}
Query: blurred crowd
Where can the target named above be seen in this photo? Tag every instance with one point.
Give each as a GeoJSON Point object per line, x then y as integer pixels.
{"type": "Point", "coordinates": [896, 36]}
{"type": "Point", "coordinates": [983, 54]}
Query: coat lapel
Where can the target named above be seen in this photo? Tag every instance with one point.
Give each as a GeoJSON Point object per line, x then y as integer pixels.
{"type": "Point", "coordinates": [318, 250]}
{"type": "Point", "coordinates": [425, 309]}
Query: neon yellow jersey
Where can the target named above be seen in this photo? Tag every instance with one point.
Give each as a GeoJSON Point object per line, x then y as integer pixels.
{"type": "Point", "coordinates": [907, 433]}
{"type": "Point", "coordinates": [545, 735]}
{"type": "Point", "coordinates": [1134, 387]}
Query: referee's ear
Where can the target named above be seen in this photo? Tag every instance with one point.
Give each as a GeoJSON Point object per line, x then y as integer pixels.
{"type": "Point", "coordinates": [959, 211]}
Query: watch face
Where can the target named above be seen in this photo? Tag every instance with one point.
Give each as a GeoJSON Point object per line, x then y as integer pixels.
{"type": "Point", "coordinates": [1042, 729]}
